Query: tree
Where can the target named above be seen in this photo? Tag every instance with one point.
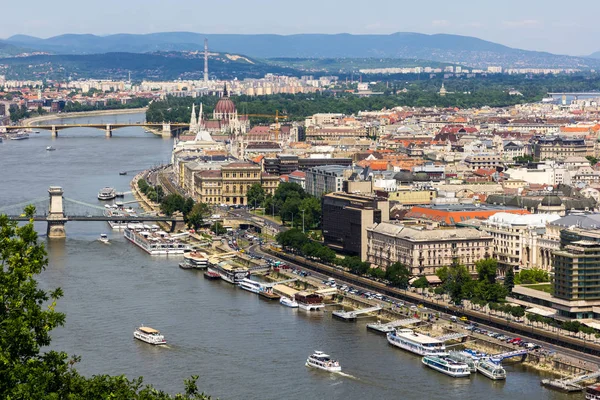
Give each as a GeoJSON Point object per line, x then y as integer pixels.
{"type": "Point", "coordinates": [509, 280]}
{"type": "Point", "coordinates": [531, 276]}
{"type": "Point", "coordinates": [486, 270]}
{"type": "Point", "coordinates": [255, 195]}
{"type": "Point", "coordinates": [593, 160]}
{"type": "Point", "coordinates": [28, 315]}
{"type": "Point", "coordinates": [398, 275]}
{"type": "Point", "coordinates": [312, 211]}
{"type": "Point", "coordinates": [421, 283]}
{"type": "Point", "coordinates": [218, 229]}
{"type": "Point", "coordinates": [456, 277]}
{"type": "Point", "coordinates": [195, 218]}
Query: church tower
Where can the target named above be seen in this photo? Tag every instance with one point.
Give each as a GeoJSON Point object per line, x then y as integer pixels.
{"type": "Point", "coordinates": [193, 122]}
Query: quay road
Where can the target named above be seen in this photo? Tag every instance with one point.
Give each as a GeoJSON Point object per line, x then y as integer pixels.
{"type": "Point", "coordinates": [574, 348]}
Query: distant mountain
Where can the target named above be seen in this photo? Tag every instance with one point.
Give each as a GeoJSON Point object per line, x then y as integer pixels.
{"type": "Point", "coordinates": [161, 65]}
{"type": "Point", "coordinates": [9, 50]}
{"type": "Point", "coordinates": [453, 49]}
{"type": "Point", "coordinates": [595, 55]}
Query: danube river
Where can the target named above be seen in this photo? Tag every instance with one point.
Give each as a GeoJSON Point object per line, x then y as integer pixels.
{"type": "Point", "coordinates": [241, 347]}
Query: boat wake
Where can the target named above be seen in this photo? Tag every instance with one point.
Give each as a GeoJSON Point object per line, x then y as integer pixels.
{"type": "Point", "coordinates": [345, 375]}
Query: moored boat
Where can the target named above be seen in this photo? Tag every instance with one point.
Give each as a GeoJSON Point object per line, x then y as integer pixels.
{"type": "Point", "coordinates": [20, 136]}
{"type": "Point", "coordinates": [417, 343]}
{"type": "Point", "coordinates": [323, 361]}
{"type": "Point", "coordinates": [464, 357]}
{"type": "Point", "coordinates": [249, 285]}
{"type": "Point", "coordinates": [380, 327]}
{"type": "Point", "coordinates": [154, 241]}
{"type": "Point", "coordinates": [185, 265]}
{"type": "Point", "coordinates": [196, 259]}
{"type": "Point", "coordinates": [447, 366]}
{"type": "Point", "coordinates": [490, 369]}
{"type": "Point", "coordinates": [309, 301]}
{"type": "Point", "coordinates": [107, 193]}
{"type": "Point", "coordinates": [592, 392]}
{"type": "Point", "coordinates": [286, 301]}
{"type": "Point", "coordinates": [212, 275]}
{"type": "Point", "coordinates": [149, 335]}
{"type": "Point", "coordinates": [231, 273]}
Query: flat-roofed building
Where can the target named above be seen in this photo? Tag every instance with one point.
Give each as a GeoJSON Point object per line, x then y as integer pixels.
{"type": "Point", "coordinates": [345, 218]}
{"type": "Point", "coordinates": [424, 251]}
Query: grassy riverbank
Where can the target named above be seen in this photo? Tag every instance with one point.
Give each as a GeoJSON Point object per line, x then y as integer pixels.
{"type": "Point", "coordinates": [49, 117]}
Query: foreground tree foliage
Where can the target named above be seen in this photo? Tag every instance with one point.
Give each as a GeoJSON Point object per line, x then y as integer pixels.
{"type": "Point", "coordinates": [28, 315]}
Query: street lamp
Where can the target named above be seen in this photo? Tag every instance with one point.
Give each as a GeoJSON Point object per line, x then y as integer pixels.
{"type": "Point", "coordinates": [302, 221]}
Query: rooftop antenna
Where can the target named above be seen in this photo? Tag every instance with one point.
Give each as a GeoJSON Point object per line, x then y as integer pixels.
{"type": "Point", "coordinates": [205, 60]}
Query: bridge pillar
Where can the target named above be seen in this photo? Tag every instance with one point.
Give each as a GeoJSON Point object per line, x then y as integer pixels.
{"type": "Point", "coordinates": [166, 130]}
{"type": "Point", "coordinates": [108, 131]}
{"type": "Point", "coordinates": [56, 217]}
{"type": "Point", "coordinates": [54, 131]}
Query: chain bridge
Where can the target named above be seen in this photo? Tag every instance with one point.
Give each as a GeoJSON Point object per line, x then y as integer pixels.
{"type": "Point", "coordinates": [57, 210]}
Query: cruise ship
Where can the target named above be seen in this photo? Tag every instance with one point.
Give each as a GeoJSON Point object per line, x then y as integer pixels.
{"type": "Point", "coordinates": [20, 136]}
{"type": "Point", "coordinates": [115, 211]}
{"type": "Point", "coordinates": [154, 241]}
{"type": "Point", "coordinates": [447, 366]}
{"type": "Point", "coordinates": [231, 273]}
{"type": "Point", "coordinates": [250, 285]}
{"type": "Point", "coordinates": [417, 343]}
{"type": "Point", "coordinates": [107, 193]}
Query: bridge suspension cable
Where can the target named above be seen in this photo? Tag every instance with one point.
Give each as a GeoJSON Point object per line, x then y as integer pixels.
{"type": "Point", "coordinates": [81, 203]}
{"type": "Point", "coordinates": [22, 205]}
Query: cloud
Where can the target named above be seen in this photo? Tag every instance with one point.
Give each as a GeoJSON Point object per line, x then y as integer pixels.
{"type": "Point", "coordinates": [521, 23]}
{"type": "Point", "coordinates": [440, 22]}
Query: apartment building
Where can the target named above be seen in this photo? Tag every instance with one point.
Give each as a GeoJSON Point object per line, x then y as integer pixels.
{"type": "Point", "coordinates": [424, 251]}
{"type": "Point", "coordinates": [230, 183]}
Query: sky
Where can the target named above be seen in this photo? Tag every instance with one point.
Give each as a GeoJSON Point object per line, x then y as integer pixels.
{"type": "Point", "coordinates": [543, 25]}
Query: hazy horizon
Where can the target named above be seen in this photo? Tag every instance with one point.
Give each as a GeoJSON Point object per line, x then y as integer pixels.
{"type": "Point", "coordinates": [533, 25]}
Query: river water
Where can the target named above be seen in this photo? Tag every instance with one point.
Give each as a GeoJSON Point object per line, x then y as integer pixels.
{"type": "Point", "coordinates": [242, 347]}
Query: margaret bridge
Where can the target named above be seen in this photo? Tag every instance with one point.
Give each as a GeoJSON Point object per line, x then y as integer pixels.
{"type": "Point", "coordinates": [57, 210]}
{"type": "Point", "coordinates": [165, 129]}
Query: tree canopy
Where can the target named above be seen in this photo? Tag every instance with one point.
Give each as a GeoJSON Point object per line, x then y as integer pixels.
{"type": "Point", "coordinates": [28, 316]}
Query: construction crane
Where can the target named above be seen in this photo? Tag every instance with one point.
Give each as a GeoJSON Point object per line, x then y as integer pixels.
{"type": "Point", "coordinates": [275, 116]}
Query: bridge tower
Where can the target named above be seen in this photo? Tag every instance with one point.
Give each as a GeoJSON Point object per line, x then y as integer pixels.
{"type": "Point", "coordinates": [166, 130]}
{"type": "Point", "coordinates": [54, 131]}
{"type": "Point", "coordinates": [108, 130]}
{"type": "Point", "coordinates": [56, 216]}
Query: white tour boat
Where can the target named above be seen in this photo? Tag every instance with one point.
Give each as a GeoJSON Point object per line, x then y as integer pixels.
{"type": "Point", "coordinates": [491, 369]}
{"type": "Point", "coordinates": [107, 193]}
{"type": "Point", "coordinates": [322, 361]}
{"type": "Point", "coordinates": [196, 259]}
{"type": "Point", "coordinates": [114, 211]}
{"type": "Point", "coordinates": [309, 301]}
{"type": "Point", "coordinates": [231, 273]}
{"type": "Point", "coordinates": [286, 301]}
{"type": "Point", "coordinates": [417, 343]}
{"type": "Point", "coordinates": [149, 335]}
{"type": "Point", "coordinates": [447, 366]}
{"type": "Point", "coordinates": [464, 357]}
{"type": "Point", "coordinates": [20, 136]}
{"type": "Point", "coordinates": [250, 285]}
{"type": "Point", "coordinates": [104, 238]}
{"type": "Point", "coordinates": [154, 241]}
